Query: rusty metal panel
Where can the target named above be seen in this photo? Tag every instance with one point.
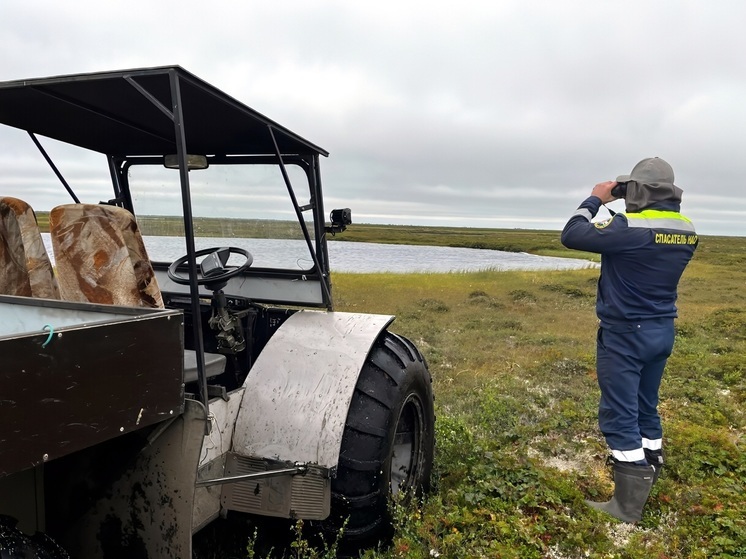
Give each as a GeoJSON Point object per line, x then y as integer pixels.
{"type": "Point", "coordinates": [87, 382]}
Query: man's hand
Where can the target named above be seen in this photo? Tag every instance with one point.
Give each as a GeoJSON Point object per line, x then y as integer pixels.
{"type": "Point", "coordinates": [603, 191]}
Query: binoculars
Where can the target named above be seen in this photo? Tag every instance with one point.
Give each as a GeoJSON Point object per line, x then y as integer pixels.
{"type": "Point", "coordinates": [619, 190]}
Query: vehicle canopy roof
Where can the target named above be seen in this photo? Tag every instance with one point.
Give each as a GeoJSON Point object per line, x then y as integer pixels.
{"type": "Point", "coordinates": [131, 113]}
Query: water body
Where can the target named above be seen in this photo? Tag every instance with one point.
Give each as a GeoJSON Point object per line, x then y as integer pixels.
{"type": "Point", "coordinates": [367, 257]}
{"type": "Point", "coordinates": [360, 257]}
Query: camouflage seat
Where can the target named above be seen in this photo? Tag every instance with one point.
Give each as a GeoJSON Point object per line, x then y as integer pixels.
{"type": "Point", "coordinates": [101, 258]}
{"type": "Point", "coordinates": [25, 269]}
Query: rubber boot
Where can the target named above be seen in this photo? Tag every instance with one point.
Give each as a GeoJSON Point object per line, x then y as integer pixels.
{"type": "Point", "coordinates": [632, 484]}
{"type": "Point", "coordinates": [655, 459]}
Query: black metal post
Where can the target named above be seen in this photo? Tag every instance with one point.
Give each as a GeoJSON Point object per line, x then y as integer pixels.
{"type": "Point", "coordinates": [54, 167]}
{"type": "Point", "coordinates": [186, 200]}
{"type": "Point", "coordinates": [320, 224]}
{"type": "Point", "coordinates": [299, 214]}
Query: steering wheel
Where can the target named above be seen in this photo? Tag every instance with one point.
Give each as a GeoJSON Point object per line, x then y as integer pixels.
{"type": "Point", "coordinates": [213, 269]}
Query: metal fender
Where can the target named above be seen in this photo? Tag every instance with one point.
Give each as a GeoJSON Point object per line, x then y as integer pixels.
{"type": "Point", "coordinates": [299, 390]}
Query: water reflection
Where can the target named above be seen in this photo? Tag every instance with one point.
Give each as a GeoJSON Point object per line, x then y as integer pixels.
{"type": "Point", "coordinates": [367, 257]}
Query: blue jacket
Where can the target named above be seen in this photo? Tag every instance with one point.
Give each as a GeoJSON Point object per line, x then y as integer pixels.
{"type": "Point", "coordinates": [643, 255]}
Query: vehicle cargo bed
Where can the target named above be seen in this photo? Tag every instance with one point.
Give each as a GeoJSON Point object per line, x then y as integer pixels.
{"type": "Point", "coordinates": [75, 374]}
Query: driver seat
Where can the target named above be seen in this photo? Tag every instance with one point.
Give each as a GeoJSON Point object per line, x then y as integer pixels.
{"type": "Point", "coordinates": [101, 258]}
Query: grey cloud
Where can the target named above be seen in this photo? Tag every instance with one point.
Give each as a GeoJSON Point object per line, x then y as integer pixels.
{"type": "Point", "coordinates": [502, 113]}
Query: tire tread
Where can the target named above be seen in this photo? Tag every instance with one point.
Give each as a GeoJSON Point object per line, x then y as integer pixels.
{"type": "Point", "coordinates": [360, 492]}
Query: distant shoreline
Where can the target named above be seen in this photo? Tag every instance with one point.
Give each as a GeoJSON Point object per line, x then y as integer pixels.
{"type": "Point", "coordinates": [532, 241]}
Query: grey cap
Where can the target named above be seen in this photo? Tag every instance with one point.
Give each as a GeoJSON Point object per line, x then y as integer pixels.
{"type": "Point", "coordinates": [650, 181]}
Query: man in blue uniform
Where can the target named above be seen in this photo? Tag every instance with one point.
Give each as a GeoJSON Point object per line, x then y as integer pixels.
{"type": "Point", "coordinates": [643, 254]}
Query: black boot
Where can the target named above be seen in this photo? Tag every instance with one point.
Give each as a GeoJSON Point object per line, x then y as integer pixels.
{"type": "Point", "coordinates": [632, 484]}
{"type": "Point", "coordinates": [655, 459]}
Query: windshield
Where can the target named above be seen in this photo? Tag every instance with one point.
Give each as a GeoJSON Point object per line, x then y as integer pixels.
{"type": "Point", "coordinates": [245, 206]}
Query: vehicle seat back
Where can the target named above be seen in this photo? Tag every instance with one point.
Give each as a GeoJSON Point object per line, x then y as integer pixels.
{"type": "Point", "coordinates": [25, 269]}
{"type": "Point", "coordinates": [101, 257]}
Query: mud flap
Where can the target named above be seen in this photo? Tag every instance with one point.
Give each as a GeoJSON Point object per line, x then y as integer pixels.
{"type": "Point", "coordinates": [147, 513]}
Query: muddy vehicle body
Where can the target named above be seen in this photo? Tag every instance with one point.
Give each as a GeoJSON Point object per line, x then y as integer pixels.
{"type": "Point", "coordinates": [143, 394]}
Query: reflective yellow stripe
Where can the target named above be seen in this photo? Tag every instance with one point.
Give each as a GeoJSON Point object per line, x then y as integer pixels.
{"type": "Point", "coordinates": [659, 219]}
{"type": "Point", "coordinates": [658, 214]}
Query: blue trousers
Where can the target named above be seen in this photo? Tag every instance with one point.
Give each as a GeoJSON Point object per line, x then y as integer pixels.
{"type": "Point", "coordinates": [630, 359]}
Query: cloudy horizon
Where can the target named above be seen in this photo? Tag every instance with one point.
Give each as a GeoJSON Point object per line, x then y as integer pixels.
{"type": "Point", "coordinates": [481, 114]}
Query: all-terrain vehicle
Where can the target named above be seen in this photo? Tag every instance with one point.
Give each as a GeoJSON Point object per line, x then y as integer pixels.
{"type": "Point", "coordinates": [179, 357]}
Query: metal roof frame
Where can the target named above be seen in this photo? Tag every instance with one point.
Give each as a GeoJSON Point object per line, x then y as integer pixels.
{"type": "Point", "coordinates": [151, 112]}
{"type": "Point", "coordinates": [129, 112]}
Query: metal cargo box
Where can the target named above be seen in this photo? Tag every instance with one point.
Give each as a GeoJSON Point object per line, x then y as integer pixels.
{"type": "Point", "coordinates": [75, 374]}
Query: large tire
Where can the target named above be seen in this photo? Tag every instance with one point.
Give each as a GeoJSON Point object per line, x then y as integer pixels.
{"type": "Point", "coordinates": [388, 442]}
{"type": "Point", "coordinates": [14, 544]}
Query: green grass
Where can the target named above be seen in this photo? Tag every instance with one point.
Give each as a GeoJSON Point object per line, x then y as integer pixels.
{"type": "Point", "coordinates": [518, 448]}
{"type": "Point", "coordinates": [207, 227]}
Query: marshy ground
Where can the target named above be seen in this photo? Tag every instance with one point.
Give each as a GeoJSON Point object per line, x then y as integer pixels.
{"type": "Point", "coordinates": [518, 449]}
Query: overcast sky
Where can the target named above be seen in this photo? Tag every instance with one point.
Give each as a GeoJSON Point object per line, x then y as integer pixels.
{"type": "Point", "coordinates": [474, 113]}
